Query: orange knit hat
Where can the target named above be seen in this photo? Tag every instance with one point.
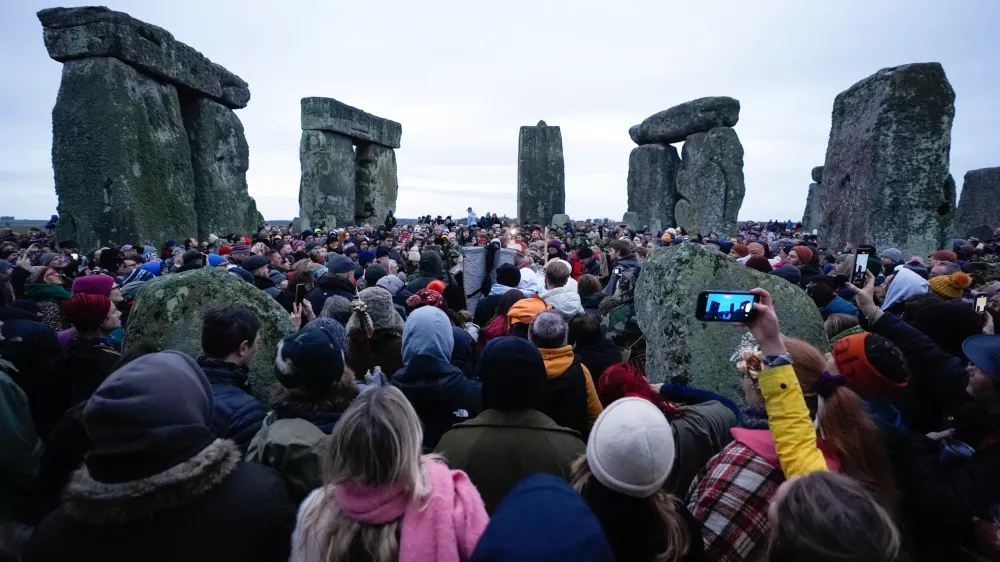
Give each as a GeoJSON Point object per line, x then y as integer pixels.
{"type": "Point", "coordinates": [852, 362]}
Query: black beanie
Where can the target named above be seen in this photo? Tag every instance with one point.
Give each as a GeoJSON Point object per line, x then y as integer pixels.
{"type": "Point", "coordinates": [512, 373]}
{"type": "Point", "coordinates": [584, 253]}
{"type": "Point", "coordinates": [508, 275]}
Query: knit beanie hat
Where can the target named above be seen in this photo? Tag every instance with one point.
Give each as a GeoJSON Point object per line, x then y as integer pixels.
{"type": "Point", "coordinates": [759, 263]}
{"type": "Point", "coordinates": [311, 359]}
{"type": "Point", "coordinates": [381, 252]}
{"type": "Point", "coordinates": [508, 275]}
{"type": "Point", "coordinates": [414, 255]}
{"type": "Point", "coordinates": [390, 283]}
{"type": "Point", "coordinates": [47, 258]}
{"type": "Point", "coordinates": [631, 448]}
{"type": "Point", "coordinates": [436, 286]}
{"type": "Point", "coordinates": [376, 304]}
{"type": "Point", "coordinates": [804, 253]}
{"type": "Point", "coordinates": [365, 257]}
{"type": "Point", "coordinates": [741, 250]}
{"type": "Point", "coordinates": [755, 249]}
{"type": "Point", "coordinates": [894, 254]}
{"type": "Point", "coordinates": [95, 284]}
{"type": "Point", "coordinates": [945, 255]}
{"type": "Point", "coordinates": [624, 380]}
{"type": "Point", "coordinates": [215, 260]}
{"type": "Point", "coordinates": [85, 311]}
{"type": "Point", "coordinates": [425, 297]}
{"type": "Point", "coordinates": [950, 286]}
{"type": "Point", "coordinates": [513, 375]}
{"type": "Point", "coordinates": [225, 250]}
{"type": "Point", "coordinates": [862, 377]}
{"type": "Point", "coordinates": [373, 274]}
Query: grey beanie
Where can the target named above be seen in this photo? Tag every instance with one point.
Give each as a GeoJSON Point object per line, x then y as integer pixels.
{"type": "Point", "coordinates": [390, 283]}
{"type": "Point", "coordinates": [631, 448]}
{"type": "Point", "coordinates": [378, 304]}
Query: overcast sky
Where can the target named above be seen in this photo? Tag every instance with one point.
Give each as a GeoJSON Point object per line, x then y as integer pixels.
{"type": "Point", "coordinates": [462, 77]}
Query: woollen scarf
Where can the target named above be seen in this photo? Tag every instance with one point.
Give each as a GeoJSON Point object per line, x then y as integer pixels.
{"type": "Point", "coordinates": [46, 292]}
{"type": "Point", "coordinates": [444, 526]}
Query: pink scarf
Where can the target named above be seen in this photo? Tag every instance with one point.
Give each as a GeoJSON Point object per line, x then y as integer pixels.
{"type": "Point", "coordinates": [444, 526]}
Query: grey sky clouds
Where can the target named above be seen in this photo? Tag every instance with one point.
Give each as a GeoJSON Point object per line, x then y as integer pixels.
{"type": "Point", "coordinates": [462, 77]}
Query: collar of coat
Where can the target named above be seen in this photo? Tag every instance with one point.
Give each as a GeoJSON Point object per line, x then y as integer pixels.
{"type": "Point", "coordinates": [524, 419]}
{"type": "Point", "coordinates": [104, 504]}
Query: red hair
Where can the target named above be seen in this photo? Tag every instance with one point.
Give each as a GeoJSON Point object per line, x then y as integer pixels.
{"type": "Point", "coordinates": [623, 380]}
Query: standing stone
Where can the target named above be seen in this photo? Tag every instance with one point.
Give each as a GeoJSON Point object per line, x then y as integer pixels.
{"type": "Point", "coordinates": [678, 345]}
{"type": "Point", "coordinates": [980, 202]}
{"type": "Point", "coordinates": [710, 182]}
{"type": "Point", "coordinates": [375, 184]}
{"type": "Point", "coordinates": [120, 157]}
{"type": "Point", "coordinates": [326, 192]}
{"type": "Point", "coordinates": [886, 178]}
{"type": "Point", "coordinates": [811, 216]}
{"type": "Point", "coordinates": [632, 220]}
{"type": "Point", "coordinates": [652, 182]}
{"type": "Point", "coordinates": [560, 219]}
{"type": "Point", "coordinates": [297, 226]}
{"type": "Point", "coordinates": [220, 158]}
{"type": "Point", "coordinates": [681, 121]}
{"type": "Point", "coordinates": [541, 182]}
{"type": "Point", "coordinates": [168, 314]}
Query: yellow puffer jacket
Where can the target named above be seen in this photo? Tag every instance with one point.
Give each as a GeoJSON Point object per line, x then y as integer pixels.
{"type": "Point", "coordinates": [788, 418]}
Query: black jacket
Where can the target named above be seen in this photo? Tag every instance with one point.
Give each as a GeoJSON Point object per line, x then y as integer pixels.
{"type": "Point", "coordinates": [486, 308]}
{"type": "Point", "coordinates": [598, 356]}
{"type": "Point", "coordinates": [238, 415]}
{"type": "Point", "coordinates": [330, 285]}
{"type": "Point", "coordinates": [33, 347]}
{"type": "Point", "coordinates": [441, 395]}
{"type": "Point", "coordinates": [219, 509]}
{"type": "Point", "coordinates": [566, 399]}
{"type": "Point", "coordinates": [89, 361]}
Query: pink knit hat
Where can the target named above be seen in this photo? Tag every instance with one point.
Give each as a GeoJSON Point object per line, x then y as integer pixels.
{"type": "Point", "coordinates": [94, 285]}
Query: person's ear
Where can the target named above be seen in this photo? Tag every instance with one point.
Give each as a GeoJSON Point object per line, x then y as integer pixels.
{"type": "Point", "coordinates": [245, 346]}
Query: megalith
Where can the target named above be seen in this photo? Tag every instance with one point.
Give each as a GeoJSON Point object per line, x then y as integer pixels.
{"type": "Point", "coordinates": [144, 140]}
{"type": "Point", "coordinates": [980, 202]}
{"type": "Point", "coordinates": [886, 181]}
{"type": "Point", "coordinates": [811, 215]}
{"type": "Point", "coordinates": [681, 121]}
{"type": "Point", "coordinates": [710, 182]}
{"type": "Point", "coordinates": [541, 174]}
{"type": "Point", "coordinates": [348, 164]}
{"type": "Point", "coordinates": [678, 345]}
{"type": "Point", "coordinates": [652, 182]}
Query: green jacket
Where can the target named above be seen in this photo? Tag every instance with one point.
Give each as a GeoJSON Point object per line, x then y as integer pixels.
{"type": "Point", "coordinates": [20, 449]}
{"type": "Point", "coordinates": [700, 432]}
{"type": "Point", "coordinates": [498, 449]}
{"type": "Point", "coordinates": [295, 448]}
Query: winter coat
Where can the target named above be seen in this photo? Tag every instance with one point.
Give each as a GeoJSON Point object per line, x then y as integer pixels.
{"type": "Point", "coordinates": [592, 303]}
{"type": "Point", "coordinates": [34, 350]}
{"type": "Point", "coordinates": [89, 361]}
{"type": "Point", "coordinates": [266, 285]}
{"type": "Point", "coordinates": [386, 352]}
{"type": "Point", "coordinates": [208, 508]}
{"type": "Point", "coordinates": [625, 264]}
{"type": "Point", "coordinates": [330, 285]}
{"type": "Point", "coordinates": [494, 329]}
{"type": "Point", "coordinates": [20, 448]}
{"type": "Point", "coordinates": [564, 300]}
{"type": "Point", "coordinates": [598, 356]}
{"type": "Point", "coordinates": [497, 449]}
{"type": "Point", "coordinates": [465, 354]}
{"type": "Point", "coordinates": [429, 269]}
{"type": "Point", "coordinates": [700, 432]}
{"type": "Point", "coordinates": [486, 308]}
{"type": "Point", "coordinates": [238, 415]}
{"type": "Point", "coordinates": [571, 397]}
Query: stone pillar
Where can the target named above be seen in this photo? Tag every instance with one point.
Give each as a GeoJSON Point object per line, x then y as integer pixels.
{"type": "Point", "coordinates": [710, 182]}
{"type": "Point", "coordinates": [541, 181]}
{"type": "Point", "coordinates": [980, 203]}
{"type": "Point", "coordinates": [811, 215]}
{"type": "Point", "coordinates": [120, 157]}
{"type": "Point", "coordinates": [326, 191]}
{"type": "Point", "coordinates": [652, 182]}
{"type": "Point", "coordinates": [886, 178]}
{"type": "Point", "coordinates": [375, 185]}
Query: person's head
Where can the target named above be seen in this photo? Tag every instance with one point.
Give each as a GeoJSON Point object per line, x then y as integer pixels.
{"type": "Point", "coordinates": [513, 375]}
{"type": "Point", "coordinates": [230, 334]}
{"type": "Point", "coordinates": [310, 366]}
{"type": "Point", "coordinates": [191, 257]}
{"type": "Point", "coordinates": [588, 285]}
{"type": "Point", "coordinates": [427, 337]}
{"type": "Point", "coordinates": [508, 275]}
{"type": "Point", "coordinates": [630, 454]}
{"type": "Point", "coordinates": [837, 324]}
{"type": "Point", "coordinates": [943, 256]}
{"type": "Point", "coordinates": [949, 286]}
{"type": "Point", "coordinates": [739, 251]}
{"type": "Point", "coordinates": [800, 255]}
{"type": "Point", "coordinates": [129, 264]}
{"type": "Point", "coordinates": [557, 273]}
{"type": "Point", "coordinates": [454, 297]}
{"type": "Point", "coordinates": [547, 330]}
{"type": "Point", "coordinates": [948, 323]}
{"type": "Point", "coordinates": [620, 249]}
{"type": "Point", "coordinates": [92, 315]}
{"type": "Point", "coordinates": [256, 265]}
{"type": "Point", "coordinates": [46, 276]}
{"type": "Point", "coordinates": [828, 517]}
{"type": "Point", "coordinates": [376, 444]}
{"type": "Point", "coordinates": [104, 285]}
{"type": "Point", "coordinates": [983, 352]}
{"type": "Point", "coordinates": [821, 290]}
{"type": "Point", "coordinates": [341, 266]}
{"type": "Point", "coordinates": [508, 300]}
{"type": "Point", "coordinates": [584, 329]}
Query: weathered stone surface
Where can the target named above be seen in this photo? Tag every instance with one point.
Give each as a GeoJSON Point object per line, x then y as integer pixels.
{"type": "Point", "coordinates": [811, 215]}
{"type": "Point", "coordinates": [541, 174]}
{"type": "Point", "coordinates": [681, 121]}
{"type": "Point", "coordinates": [632, 220]}
{"type": "Point", "coordinates": [326, 191]}
{"type": "Point", "coordinates": [982, 232]}
{"type": "Point", "coordinates": [817, 174]}
{"type": "Point", "coordinates": [652, 182]}
{"type": "Point", "coordinates": [328, 114]}
{"type": "Point", "coordinates": [886, 178]}
{"type": "Point", "coordinates": [375, 184]}
{"type": "Point", "coordinates": [220, 158]}
{"type": "Point", "coordinates": [76, 33]}
{"type": "Point", "coordinates": [473, 273]}
{"type": "Point", "coordinates": [633, 133]}
{"type": "Point", "coordinates": [297, 225]}
{"type": "Point", "coordinates": [120, 157]}
{"type": "Point", "coordinates": [560, 219]}
{"type": "Point", "coordinates": [710, 182]}
{"type": "Point", "coordinates": [168, 314]}
{"type": "Point", "coordinates": [980, 202]}
{"type": "Point", "coordinates": [679, 345]}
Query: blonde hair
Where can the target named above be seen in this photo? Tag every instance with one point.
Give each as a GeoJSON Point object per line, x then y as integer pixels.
{"type": "Point", "coordinates": [393, 267]}
{"type": "Point", "coordinates": [377, 442]}
{"type": "Point", "coordinates": [837, 323]}
{"type": "Point", "coordinates": [676, 532]}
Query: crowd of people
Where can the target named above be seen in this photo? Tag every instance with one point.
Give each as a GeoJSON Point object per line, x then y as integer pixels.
{"type": "Point", "coordinates": [415, 419]}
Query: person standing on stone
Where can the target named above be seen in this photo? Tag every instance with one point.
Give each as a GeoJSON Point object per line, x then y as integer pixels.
{"type": "Point", "coordinates": [472, 218]}
{"type": "Point", "coordinates": [229, 340]}
{"type": "Point", "coordinates": [623, 263]}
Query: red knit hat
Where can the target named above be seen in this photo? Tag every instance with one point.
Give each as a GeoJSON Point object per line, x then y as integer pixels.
{"type": "Point", "coordinates": [225, 250]}
{"type": "Point", "coordinates": [945, 255]}
{"type": "Point", "coordinates": [436, 285]}
{"type": "Point", "coordinates": [804, 253]}
{"type": "Point", "coordinates": [86, 312]}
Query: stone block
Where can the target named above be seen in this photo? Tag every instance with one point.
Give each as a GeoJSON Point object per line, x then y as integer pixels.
{"type": "Point", "coordinates": [886, 180]}
{"type": "Point", "coordinates": [817, 174]}
{"type": "Point", "coordinates": [652, 182]}
{"type": "Point", "coordinates": [328, 114]}
{"type": "Point", "coordinates": [679, 345]}
{"type": "Point", "coordinates": [681, 121]}
{"type": "Point", "coordinates": [120, 157]}
{"type": "Point", "coordinates": [560, 219]}
{"type": "Point", "coordinates": [980, 202]}
{"type": "Point", "coordinates": [710, 183]}
{"type": "Point", "coordinates": [168, 314]}
{"type": "Point", "coordinates": [375, 184]}
{"type": "Point", "coordinates": [541, 174]}
{"type": "Point", "coordinates": [326, 190]}
{"type": "Point", "coordinates": [812, 214]}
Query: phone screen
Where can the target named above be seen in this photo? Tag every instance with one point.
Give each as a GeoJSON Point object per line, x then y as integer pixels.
{"type": "Point", "coordinates": [725, 306]}
{"type": "Point", "coordinates": [981, 302]}
{"type": "Point", "coordinates": [300, 293]}
{"type": "Point", "coordinates": [860, 266]}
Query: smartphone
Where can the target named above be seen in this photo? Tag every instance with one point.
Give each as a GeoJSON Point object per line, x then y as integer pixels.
{"type": "Point", "coordinates": [75, 256]}
{"type": "Point", "coordinates": [981, 302]}
{"type": "Point", "coordinates": [726, 306]}
{"type": "Point", "coordinates": [300, 293]}
{"type": "Point", "coordinates": [861, 257]}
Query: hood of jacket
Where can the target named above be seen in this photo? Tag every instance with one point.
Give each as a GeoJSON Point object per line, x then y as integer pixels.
{"type": "Point", "coordinates": [498, 289]}
{"type": "Point", "coordinates": [557, 360]}
{"type": "Point", "coordinates": [904, 285]}
{"type": "Point", "coordinates": [430, 265]}
{"type": "Point", "coordinates": [564, 300]}
{"type": "Point", "coordinates": [427, 333]}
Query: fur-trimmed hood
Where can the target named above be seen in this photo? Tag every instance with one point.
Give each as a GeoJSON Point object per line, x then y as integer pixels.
{"type": "Point", "coordinates": [104, 504]}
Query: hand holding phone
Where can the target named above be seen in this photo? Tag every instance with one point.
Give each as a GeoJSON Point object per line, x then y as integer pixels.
{"type": "Point", "coordinates": [300, 293]}
{"type": "Point", "coordinates": [861, 257]}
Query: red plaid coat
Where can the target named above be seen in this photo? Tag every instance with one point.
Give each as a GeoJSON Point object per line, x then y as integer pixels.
{"type": "Point", "coordinates": [730, 498]}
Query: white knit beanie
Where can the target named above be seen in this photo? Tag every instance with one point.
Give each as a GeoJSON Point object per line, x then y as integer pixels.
{"type": "Point", "coordinates": [631, 448]}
